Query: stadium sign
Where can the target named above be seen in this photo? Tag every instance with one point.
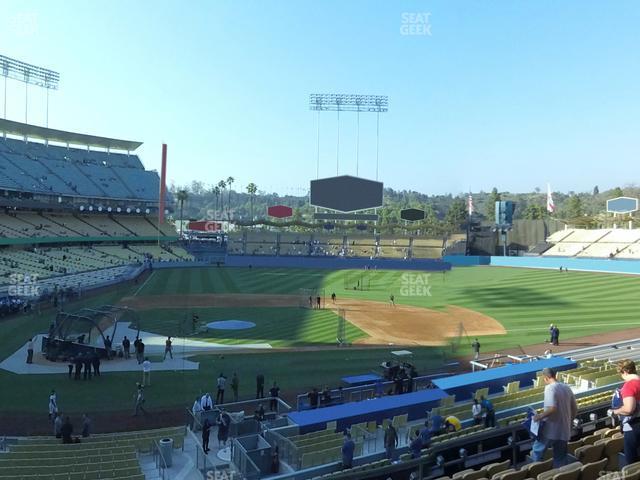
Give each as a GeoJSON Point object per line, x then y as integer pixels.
{"type": "Point", "coordinates": [412, 214]}
{"type": "Point", "coordinates": [346, 193]}
{"type": "Point", "coordinates": [622, 205]}
{"type": "Point", "coordinates": [280, 211]}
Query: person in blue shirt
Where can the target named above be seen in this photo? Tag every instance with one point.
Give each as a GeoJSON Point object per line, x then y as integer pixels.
{"type": "Point", "coordinates": [425, 435]}
{"type": "Point", "coordinates": [416, 445]}
{"type": "Point", "coordinates": [348, 447]}
{"type": "Point", "coordinates": [489, 412]}
{"type": "Point", "coordinates": [436, 424]}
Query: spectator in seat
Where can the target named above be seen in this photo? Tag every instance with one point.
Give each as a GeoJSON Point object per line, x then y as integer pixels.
{"type": "Point", "coordinates": [476, 412]}
{"type": "Point", "coordinates": [416, 445]}
{"type": "Point", "coordinates": [348, 448]}
{"type": "Point", "coordinates": [66, 431]}
{"type": "Point", "coordinates": [452, 424]}
{"type": "Point", "coordinates": [629, 411]}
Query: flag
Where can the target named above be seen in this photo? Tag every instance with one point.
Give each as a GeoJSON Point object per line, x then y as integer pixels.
{"type": "Point", "coordinates": [551, 207]}
{"type": "Point", "coordinates": [470, 205]}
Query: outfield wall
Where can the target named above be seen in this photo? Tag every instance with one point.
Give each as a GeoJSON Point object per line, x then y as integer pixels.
{"type": "Point", "coordinates": [335, 263]}
{"type": "Point", "coordinates": [631, 267]}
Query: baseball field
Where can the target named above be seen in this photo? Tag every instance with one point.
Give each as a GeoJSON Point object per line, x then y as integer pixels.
{"type": "Point", "coordinates": [435, 315]}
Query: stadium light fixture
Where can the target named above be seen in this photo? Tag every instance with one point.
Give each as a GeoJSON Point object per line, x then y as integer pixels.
{"type": "Point", "coordinates": [338, 102]}
{"type": "Point", "coordinates": [29, 75]}
{"type": "Point", "coordinates": [349, 103]}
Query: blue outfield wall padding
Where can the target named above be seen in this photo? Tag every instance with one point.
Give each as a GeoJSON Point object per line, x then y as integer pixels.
{"type": "Point", "coordinates": [631, 267]}
{"type": "Point", "coordinates": [464, 386]}
{"type": "Point", "coordinates": [466, 260]}
{"type": "Point", "coordinates": [335, 263]}
{"type": "Point", "coordinates": [415, 404]}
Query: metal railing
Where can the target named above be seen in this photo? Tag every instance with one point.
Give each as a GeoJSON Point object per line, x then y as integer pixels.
{"type": "Point", "coordinates": [365, 392]}
{"type": "Point", "coordinates": [286, 449]}
{"type": "Point", "coordinates": [161, 462]}
{"type": "Point", "coordinates": [243, 462]}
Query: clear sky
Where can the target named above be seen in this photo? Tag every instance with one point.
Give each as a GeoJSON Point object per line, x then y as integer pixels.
{"type": "Point", "coordinates": [512, 94]}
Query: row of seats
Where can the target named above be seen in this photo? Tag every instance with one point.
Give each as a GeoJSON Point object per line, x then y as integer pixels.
{"type": "Point", "coordinates": [58, 263]}
{"type": "Point", "coordinates": [35, 225]}
{"type": "Point", "coordinates": [104, 440]}
{"type": "Point", "coordinates": [77, 461]}
{"type": "Point", "coordinates": [600, 243]}
{"type": "Point", "coordinates": [55, 170]}
{"type": "Point", "coordinates": [606, 441]}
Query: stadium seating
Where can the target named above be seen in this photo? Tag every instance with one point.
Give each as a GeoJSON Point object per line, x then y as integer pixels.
{"type": "Point", "coordinates": [602, 243]}
{"type": "Point", "coordinates": [39, 168]}
{"type": "Point", "coordinates": [112, 456]}
{"type": "Point", "coordinates": [35, 225]}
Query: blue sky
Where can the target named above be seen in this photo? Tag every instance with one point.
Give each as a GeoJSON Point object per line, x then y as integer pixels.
{"type": "Point", "coordinates": [512, 94]}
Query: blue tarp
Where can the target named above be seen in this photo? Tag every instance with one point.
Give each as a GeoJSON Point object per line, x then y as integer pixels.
{"type": "Point", "coordinates": [414, 404]}
{"type": "Point", "coordinates": [464, 386]}
{"type": "Point", "coordinates": [361, 379]}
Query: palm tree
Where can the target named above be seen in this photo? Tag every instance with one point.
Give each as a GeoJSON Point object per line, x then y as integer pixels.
{"type": "Point", "coordinates": [222, 185]}
{"type": "Point", "coordinates": [181, 196]}
{"type": "Point", "coordinates": [252, 188]}
{"type": "Point", "coordinates": [230, 181]}
{"type": "Point", "coordinates": [216, 191]}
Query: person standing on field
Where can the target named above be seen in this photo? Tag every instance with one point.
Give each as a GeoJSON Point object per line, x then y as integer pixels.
{"type": "Point", "coordinates": [139, 401]}
{"type": "Point", "coordinates": [126, 347]}
{"type": "Point", "coordinates": [260, 386]}
{"type": "Point", "coordinates": [30, 351]}
{"type": "Point", "coordinates": [168, 348]}
{"type": "Point", "coordinates": [475, 346]}
{"type": "Point", "coordinates": [53, 405]}
{"type": "Point", "coordinates": [221, 383]}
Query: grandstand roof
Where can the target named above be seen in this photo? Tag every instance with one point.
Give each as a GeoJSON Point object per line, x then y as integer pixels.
{"type": "Point", "coordinates": [33, 131]}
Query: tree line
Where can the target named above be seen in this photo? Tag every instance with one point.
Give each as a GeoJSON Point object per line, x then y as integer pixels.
{"type": "Point", "coordinates": [443, 213]}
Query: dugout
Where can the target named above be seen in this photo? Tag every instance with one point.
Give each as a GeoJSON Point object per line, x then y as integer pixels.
{"type": "Point", "coordinates": [464, 386]}
{"type": "Point", "coordinates": [85, 331]}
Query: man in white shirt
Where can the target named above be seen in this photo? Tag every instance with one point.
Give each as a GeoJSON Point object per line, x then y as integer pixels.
{"type": "Point", "coordinates": [206, 402]}
{"type": "Point", "coordinates": [196, 411]}
{"type": "Point", "coordinates": [53, 405]}
{"type": "Point", "coordinates": [30, 351]}
{"type": "Point", "coordinates": [146, 372]}
{"type": "Point", "coordinates": [560, 408]}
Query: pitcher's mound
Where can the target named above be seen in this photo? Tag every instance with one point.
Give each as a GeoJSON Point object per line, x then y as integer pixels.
{"type": "Point", "coordinates": [407, 325]}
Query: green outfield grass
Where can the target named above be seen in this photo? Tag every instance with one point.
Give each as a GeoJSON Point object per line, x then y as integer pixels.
{"type": "Point", "coordinates": [524, 301]}
{"type": "Point", "coordinates": [280, 327]}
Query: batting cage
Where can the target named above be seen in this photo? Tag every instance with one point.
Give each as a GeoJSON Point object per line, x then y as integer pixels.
{"type": "Point", "coordinates": [311, 298]}
{"type": "Point", "coordinates": [357, 279]}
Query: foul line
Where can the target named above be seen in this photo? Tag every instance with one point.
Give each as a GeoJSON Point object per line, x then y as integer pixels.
{"type": "Point", "coordinates": [143, 284]}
